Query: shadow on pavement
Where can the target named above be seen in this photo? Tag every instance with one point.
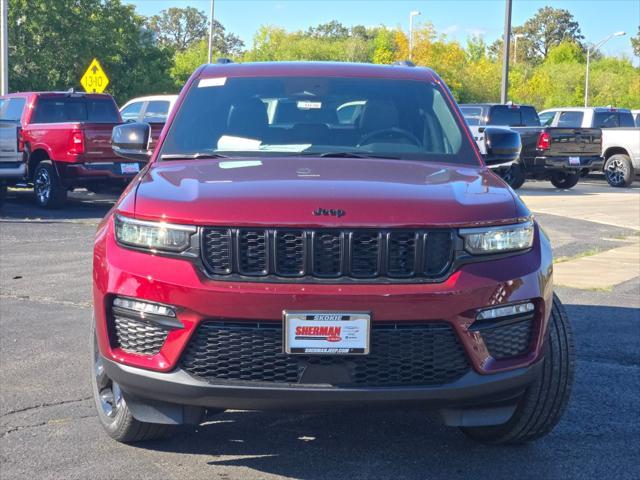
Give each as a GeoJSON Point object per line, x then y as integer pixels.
{"type": "Point", "coordinates": [410, 444]}
{"type": "Point", "coordinates": [20, 205]}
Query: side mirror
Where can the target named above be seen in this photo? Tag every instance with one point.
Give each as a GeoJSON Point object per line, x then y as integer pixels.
{"type": "Point", "coordinates": [131, 141]}
{"type": "Point", "coordinates": [502, 146]}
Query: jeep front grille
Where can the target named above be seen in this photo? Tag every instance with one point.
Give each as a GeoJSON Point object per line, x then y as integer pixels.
{"type": "Point", "coordinates": [363, 254]}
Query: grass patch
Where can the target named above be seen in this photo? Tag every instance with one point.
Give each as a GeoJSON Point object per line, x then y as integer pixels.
{"type": "Point", "coordinates": [587, 253]}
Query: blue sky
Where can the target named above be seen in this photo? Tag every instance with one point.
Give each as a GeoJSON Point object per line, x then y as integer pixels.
{"type": "Point", "coordinates": [457, 18]}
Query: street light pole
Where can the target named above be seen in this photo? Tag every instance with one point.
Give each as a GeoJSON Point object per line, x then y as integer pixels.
{"type": "Point", "coordinates": [4, 47]}
{"type": "Point", "coordinates": [211, 34]}
{"type": "Point", "coordinates": [589, 50]}
{"type": "Point", "coordinates": [515, 46]}
{"type": "Point", "coordinates": [504, 91]}
{"type": "Point", "coordinates": [412, 14]}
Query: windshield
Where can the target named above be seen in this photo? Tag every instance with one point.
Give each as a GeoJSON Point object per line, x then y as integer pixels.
{"type": "Point", "coordinates": [388, 118]}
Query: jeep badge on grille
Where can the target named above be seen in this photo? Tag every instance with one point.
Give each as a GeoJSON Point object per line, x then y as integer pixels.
{"type": "Point", "coordinates": [329, 211]}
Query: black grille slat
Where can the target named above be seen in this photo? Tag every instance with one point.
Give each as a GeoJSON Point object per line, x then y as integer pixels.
{"type": "Point", "coordinates": [401, 254]}
{"type": "Point", "coordinates": [144, 338]}
{"type": "Point", "coordinates": [290, 253]}
{"type": "Point", "coordinates": [365, 254]}
{"type": "Point", "coordinates": [218, 245]}
{"type": "Point", "coordinates": [327, 254]}
{"type": "Point", "coordinates": [438, 250]}
{"type": "Point", "coordinates": [509, 341]}
{"type": "Point", "coordinates": [252, 252]}
{"type": "Point", "coordinates": [401, 355]}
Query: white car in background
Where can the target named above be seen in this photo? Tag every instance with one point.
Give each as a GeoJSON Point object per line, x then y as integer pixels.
{"type": "Point", "coordinates": [152, 109]}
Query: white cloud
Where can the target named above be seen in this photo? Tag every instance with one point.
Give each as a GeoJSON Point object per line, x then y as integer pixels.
{"type": "Point", "coordinates": [451, 29]}
{"type": "Point", "coordinates": [476, 32]}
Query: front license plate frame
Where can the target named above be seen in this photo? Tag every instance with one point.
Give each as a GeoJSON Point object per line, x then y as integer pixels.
{"type": "Point", "coordinates": [326, 332]}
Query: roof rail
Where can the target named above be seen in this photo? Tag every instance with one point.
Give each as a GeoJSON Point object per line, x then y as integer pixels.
{"type": "Point", "coordinates": [404, 63]}
{"type": "Point", "coordinates": [224, 61]}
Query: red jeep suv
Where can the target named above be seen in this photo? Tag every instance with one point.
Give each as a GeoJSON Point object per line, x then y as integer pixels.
{"type": "Point", "coordinates": [322, 236]}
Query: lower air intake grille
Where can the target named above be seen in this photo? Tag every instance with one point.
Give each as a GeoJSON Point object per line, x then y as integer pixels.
{"type": "Point", "coordinates": [509, 341]}
{"type": "Point", "coordinates": [401, 355]}
{"type": "Point", "coordinates": [139, 337]}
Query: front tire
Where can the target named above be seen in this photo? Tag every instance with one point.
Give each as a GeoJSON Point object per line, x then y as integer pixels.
{"type": "Point", "coordinates": [544, 402]}
{"type": "Point", "coordinates": [618, 170]}
{"type": "Point", "coordinates": [113, 412]}
{"type": "Point", "coordinates": [564, 180]}
{"type": "Point", "coordinates": [50, 193]}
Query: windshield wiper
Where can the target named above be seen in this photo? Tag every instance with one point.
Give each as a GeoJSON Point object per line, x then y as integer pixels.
{"type": "Point", "coordinates": [351, 155]}
{"type": "Point", "coordinates": [192, 156]}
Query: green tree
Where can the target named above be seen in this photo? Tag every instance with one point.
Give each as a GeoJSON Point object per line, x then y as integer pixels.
{"type": "Point", "coordinates": [186, 62]}
{"type": "Point", "coordinates": [635, 43]}
{"type": "Point", "coordinates": [547, 28]}
{"type": "Point", "coordinates": [476, 48]}
{"type": "Point", "coordinates": [180, 28]}
{"type": "Point", "coordinates": [52, 43]}
{"type": "Point", "coordinates": [332, 30]}
{"type": "Point", "coordinates": [384, 47]}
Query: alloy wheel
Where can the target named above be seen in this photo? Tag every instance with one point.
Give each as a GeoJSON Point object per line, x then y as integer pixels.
{"type": "Point", "coordinates": [42, 186]}
{"type": "Point", "coordinates": [616, 171]}
{"type": "Point", "coordinates": [109, 392]}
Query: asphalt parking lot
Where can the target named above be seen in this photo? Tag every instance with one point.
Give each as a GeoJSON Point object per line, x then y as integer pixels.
{"type": "Point", "coordinates": [48, 429]}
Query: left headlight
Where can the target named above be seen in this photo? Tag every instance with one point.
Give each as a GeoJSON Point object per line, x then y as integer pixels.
{"type": "Point", "coordinates": [507, 238]}
{"type": "Point", "coordinates": [153, 236]}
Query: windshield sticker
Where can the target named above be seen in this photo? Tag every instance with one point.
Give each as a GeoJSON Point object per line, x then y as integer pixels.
{"type": "Point", "coordinates": [212, 82]}
{"type": "Point", "coordinates": [306, 105]}
{"type": "Point", "coordinates": [240, 164]}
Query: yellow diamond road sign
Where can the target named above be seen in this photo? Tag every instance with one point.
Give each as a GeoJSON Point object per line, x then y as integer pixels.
{"type": "Point", "coordinates": [94, 79]}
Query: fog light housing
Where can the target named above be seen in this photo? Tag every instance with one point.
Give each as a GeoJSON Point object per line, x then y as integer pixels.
{"type": "Point", "coordinates": [143, 309]}
{"type": "Point", "coordinates": [506, 311]}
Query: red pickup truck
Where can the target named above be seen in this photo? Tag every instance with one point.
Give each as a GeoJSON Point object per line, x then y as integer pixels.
{"type": "Point", "coordinates": [66, 138]}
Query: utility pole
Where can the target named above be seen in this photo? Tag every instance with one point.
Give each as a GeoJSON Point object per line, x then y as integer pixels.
{"type": "Point", "coordinates": [412, 14]}
{"type": "Point", "coordinates": [211, 33]}
{"type": "Point", "coordinates": [4, 47]}
{"type": "Point", "coordinates": [504, 92]}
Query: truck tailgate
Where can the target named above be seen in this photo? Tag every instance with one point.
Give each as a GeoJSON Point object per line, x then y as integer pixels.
{"type": "Point", "coordinates": [97, 142]}
{"type": "Point", "coordinates": [574, 142]}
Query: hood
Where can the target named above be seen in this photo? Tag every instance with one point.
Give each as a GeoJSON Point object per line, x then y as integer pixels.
{"type": "Point", "coordinates": [303, 191]}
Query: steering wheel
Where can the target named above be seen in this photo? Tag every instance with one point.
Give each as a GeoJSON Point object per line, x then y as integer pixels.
{"type": "Point", "coordinates": [389, 132]}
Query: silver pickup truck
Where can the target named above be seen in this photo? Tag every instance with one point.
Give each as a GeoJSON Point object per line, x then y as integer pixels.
{"type": "Point", "coordinates": [620, 137]}
{"type": "Point", "coordinates": [12, 159]}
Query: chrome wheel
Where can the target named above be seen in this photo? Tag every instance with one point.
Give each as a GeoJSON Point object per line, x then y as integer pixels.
{"type": "Point", "coordinates": [42, 185]}
{"type": "Point", "coordinates": [109, 393]}
{"type": "Point", "coordinates": [616, 171]}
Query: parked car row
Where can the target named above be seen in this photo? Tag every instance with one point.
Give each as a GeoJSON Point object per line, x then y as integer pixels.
{"type": "Point", "coordinates": [59, 141]}
{"type": "Point", "coordinates": [562, 144]}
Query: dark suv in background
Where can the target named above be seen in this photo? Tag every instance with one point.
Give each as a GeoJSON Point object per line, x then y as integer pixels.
{"type": "Point", "coordinates": [558, 154]}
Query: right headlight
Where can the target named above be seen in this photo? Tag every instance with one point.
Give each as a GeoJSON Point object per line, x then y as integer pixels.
{"type": "Point", "coordinates": [505, 238]}
{"type": "Point", "coordinates": [153, 236]}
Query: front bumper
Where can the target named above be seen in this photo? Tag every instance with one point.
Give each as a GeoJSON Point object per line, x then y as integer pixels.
{"type": "Point", "coordinates": [456, 300]}
{"type": "Point", "coordinates": [179, 388]}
